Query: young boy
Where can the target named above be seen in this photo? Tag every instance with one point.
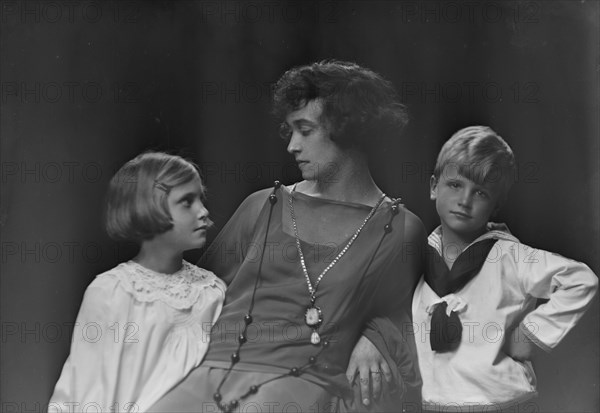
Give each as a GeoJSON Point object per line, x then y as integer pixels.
{"type": "Point", "coordinates": [475, 305]}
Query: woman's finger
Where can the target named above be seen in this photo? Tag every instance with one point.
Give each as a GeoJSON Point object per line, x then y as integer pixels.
{"type": "Point", "coordinates": [351, 372]}
{"type": "Point", "coordinates": [376, 377]}
{"type": "Point", "coordinates": [365, 386]}
{"type": "Point", "coordinates": [387, 372]}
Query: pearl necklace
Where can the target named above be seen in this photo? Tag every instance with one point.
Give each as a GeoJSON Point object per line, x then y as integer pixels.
{"type": "Point", "coordinates": [313, 317]}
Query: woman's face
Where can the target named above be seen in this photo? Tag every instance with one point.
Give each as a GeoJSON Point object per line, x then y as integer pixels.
{"type": "Point", "coordinates": [317, 156]}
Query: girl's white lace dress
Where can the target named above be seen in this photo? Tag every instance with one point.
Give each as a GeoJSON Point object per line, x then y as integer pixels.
{"type": "Point", "coordinates": [138, 333]}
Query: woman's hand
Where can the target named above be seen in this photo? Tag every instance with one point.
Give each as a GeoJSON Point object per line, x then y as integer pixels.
{"type": "Point", "coordinates": [371, 367]}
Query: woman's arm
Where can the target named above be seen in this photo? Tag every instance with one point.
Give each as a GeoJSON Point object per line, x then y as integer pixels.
{"type": "Point", "coordinates": [384, 345]}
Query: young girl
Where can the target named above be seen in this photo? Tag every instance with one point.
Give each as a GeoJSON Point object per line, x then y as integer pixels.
{"type": "Point", "coordinates": [144, 325]}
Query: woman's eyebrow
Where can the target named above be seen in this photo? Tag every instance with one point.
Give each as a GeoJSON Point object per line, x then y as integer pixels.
{"type": "Point", "coordinates": [304, 122]}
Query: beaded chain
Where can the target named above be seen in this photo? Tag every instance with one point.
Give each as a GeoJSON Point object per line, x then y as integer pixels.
{"type": "Point", "coordinates": [242, 338]}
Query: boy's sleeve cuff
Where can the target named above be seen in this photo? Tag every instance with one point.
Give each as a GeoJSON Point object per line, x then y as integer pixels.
{"type": "Point", "coordinates": [529, 334]}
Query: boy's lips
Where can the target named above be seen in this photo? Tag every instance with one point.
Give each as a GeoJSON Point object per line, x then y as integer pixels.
{"type": "Point", "coordinates": [460, 214]}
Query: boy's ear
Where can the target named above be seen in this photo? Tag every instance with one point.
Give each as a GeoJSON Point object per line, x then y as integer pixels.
{"type": "Point", "coordinates": [432, 187]}
{"type": "Point", "coordinates": [499, 204]}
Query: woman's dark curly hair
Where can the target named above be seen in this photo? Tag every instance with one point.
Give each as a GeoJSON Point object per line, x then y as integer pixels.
{"type": "Point", "coordinates": [358, 104]}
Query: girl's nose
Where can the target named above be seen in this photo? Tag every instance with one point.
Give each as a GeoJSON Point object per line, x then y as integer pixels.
{"type": "Point", "coordinates": [202, 211]}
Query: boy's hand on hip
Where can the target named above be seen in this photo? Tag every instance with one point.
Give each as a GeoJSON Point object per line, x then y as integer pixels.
{"type": "Point", "coordinates": [518, 346]}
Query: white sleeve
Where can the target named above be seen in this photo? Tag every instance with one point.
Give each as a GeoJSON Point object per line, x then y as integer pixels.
{"type": "Point", "coordinates": [89, 379]}
{"type": "Point", "coordinates": [568, 285]}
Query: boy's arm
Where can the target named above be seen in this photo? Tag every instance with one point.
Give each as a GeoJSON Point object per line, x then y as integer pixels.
{"type": "Point", "coordinates": [569, 287]}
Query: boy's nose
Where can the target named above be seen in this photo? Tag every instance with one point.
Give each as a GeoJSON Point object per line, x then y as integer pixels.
{"type": "Point", "coordinates": [465, 199]}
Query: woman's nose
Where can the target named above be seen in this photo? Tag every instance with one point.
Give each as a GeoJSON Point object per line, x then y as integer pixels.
{"type": "Point", "coordinates": [294, 144]}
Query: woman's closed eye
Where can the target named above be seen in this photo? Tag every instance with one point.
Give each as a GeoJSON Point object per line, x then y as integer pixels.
{"type": "Point", "coordinates": [306, 131]}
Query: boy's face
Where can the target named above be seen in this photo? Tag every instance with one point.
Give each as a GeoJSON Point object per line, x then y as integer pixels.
{"type": "Point", "coordinates": [464, 207]}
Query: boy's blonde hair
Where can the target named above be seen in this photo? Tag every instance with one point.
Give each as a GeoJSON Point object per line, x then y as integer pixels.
{"type": "Point", "coordinates": [481, 155]}
{"type": "Point", "coordinates": [137, 201]}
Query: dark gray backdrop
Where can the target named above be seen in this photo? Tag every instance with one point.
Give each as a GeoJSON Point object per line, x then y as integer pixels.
{"type": "Point", "coordinates": [86, 86]}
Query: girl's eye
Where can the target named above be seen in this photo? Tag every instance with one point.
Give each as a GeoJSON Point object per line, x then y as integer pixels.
{"type": "Point", "coordinates": [305, 132]}
{"type": "Point", "coordinates": [453, 184]}
{"type": "Point", "coordinates": [482, 194]}
{"type": "Point", "coordinates": [187, 203]}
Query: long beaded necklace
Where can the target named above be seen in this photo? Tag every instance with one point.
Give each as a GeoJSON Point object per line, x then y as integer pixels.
{"type": "Point", "coordinates": [242, 338]}
{"type": "Point", "coordinates": [313, 317]}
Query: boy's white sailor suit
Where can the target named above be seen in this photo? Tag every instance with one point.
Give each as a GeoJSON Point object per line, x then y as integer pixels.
{"type": "Point", "coordinates": [500, 298]}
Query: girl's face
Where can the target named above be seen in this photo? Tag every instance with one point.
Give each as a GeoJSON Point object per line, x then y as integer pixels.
{"type": "Point", "coordinates": [189, 215]}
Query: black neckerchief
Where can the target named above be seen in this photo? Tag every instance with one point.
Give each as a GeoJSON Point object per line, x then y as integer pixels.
{"type": "Point", "coordinates": [446, 331]}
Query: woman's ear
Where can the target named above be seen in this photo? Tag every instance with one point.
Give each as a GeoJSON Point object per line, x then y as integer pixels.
{"type": "Point", "coordinates": [433, 182]}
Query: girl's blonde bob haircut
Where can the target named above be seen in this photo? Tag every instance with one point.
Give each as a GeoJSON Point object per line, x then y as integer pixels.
{"type": "Point", "coordinates": [481, 155]}
{"type": "Point", "coordinates": [137, 206]}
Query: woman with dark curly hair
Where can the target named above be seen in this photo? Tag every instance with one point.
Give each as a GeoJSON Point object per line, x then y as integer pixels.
{"type": "Point", "coordinates": [320, 273]}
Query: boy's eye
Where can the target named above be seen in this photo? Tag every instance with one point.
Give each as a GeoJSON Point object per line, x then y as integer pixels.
{"type": "Point", "coordinates": [453, 184]}
{"type": "Point", "coordinates": [482, 194]}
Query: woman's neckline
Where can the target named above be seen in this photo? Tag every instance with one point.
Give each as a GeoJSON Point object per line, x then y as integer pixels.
{"type": "Point", "coordinates": [291, 189]}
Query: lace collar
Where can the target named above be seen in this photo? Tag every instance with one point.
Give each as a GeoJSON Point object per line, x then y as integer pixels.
{"type": "Point", "coordinates": [179, 290]}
